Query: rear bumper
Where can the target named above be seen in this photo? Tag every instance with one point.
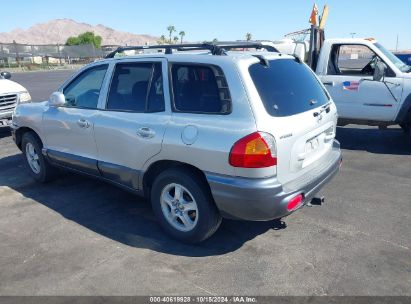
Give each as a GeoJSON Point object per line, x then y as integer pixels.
{"type": "Point", "coordinates": [267, 199]}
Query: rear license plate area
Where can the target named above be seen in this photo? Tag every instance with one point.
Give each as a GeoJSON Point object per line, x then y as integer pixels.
{"type": "Point", "coordinates": [312, 145]}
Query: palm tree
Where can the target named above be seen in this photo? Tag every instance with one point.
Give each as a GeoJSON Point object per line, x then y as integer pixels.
{"type": "Point", "coordinates": [171, 29]}
{"type": "Point", "coordinates": [248, 36]}
{"type": "Point", "coordinates": [176, 39]}
{"type": "Point", "coordinates": [182, 34]}
{"type": "Point", "coordinates": [162, 39]}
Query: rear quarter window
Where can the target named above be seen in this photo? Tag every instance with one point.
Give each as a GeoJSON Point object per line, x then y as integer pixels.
{"type": "Point", "coordinates": [287, 87]}
{"type": "Point", "coordinates": [200, 89]}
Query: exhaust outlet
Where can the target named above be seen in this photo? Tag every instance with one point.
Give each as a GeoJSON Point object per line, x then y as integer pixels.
{"type": "Point", "coordinates": [317, 201]}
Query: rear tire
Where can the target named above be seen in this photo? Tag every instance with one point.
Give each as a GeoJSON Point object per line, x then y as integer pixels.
{"type": "Point", "coordinates": [406, 127]}
{"type": "Point", "coordinates": [184, 206]}
{"type": "Point", "coordinates": [37, 164]}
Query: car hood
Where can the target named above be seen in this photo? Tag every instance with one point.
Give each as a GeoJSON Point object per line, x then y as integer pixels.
{"type": "Point", "coordinates": [8, 86]}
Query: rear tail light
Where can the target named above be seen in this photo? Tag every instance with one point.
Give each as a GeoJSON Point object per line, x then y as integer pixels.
{"type": "Point", "coordinates": [295, 202]}
{"type": "Point", "coordinates": [257, 150]}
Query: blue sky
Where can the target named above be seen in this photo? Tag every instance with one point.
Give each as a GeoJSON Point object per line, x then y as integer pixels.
{"type": "Point", "coordinates": [223, 19]}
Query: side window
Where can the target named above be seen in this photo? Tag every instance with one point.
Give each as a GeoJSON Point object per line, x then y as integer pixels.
{"type": "Point", "coordinates": [136, 87]}
{"type": "Point", "coordinates": [83, 91]}
{"type": "Point", "coordinates": [352, 59]}
{"type": "Point", "coordinates": [200, 89]}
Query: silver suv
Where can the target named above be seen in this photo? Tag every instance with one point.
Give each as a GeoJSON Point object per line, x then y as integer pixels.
{"type": "Point", "coordinates": [243, 135]}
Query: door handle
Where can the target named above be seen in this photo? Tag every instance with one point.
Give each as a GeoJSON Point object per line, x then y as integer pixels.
{"type": "Point", "coordinates": [83, 123]}
{"type": "Point", "coordinates": [146, 132]}
{"type": "Point", "coordinates": [328, 83]}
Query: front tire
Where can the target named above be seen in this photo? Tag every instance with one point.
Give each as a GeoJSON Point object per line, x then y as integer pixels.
{"type": "Point", "coordinates": [37, 164]}
{"type": "Point", "coordinates": [184, 206]}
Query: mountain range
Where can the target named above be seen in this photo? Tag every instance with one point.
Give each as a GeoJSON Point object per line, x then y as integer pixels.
{"type": "Point", "coordinates": [58, 30]}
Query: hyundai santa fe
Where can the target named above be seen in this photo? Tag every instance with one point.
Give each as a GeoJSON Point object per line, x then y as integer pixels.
{"type": "Point", "coordinates": [243, 135]}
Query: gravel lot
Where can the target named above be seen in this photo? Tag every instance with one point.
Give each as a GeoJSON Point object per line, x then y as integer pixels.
{"type": "Point", "coordinates": [78, 236]}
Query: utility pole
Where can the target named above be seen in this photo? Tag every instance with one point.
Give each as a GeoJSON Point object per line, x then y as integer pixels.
{"type": "Point", "coordinates": [17, 53]}
{"type": "Point", "coordinates": [396, 45]}
{"type": "Point", "coordinates": [59, 54]}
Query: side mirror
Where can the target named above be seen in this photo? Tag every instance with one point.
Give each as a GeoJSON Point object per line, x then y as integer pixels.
{"type": "Point", "coordinates": [5, 75]}
{"type": "Point", "coordinates": [57, 99]}
{"type": "Point", "coordinates": [379, 71]}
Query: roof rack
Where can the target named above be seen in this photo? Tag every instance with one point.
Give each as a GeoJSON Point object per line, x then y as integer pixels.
{"type": "Point", "coordinates": [214, 48]}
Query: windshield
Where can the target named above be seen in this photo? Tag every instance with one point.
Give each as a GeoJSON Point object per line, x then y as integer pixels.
{"type": "Point", "coordinates": [287, 87]}
{"type": "Point", "coordinates": [394, 59]}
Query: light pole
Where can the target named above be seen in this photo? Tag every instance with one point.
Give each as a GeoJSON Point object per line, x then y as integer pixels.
{"type": "Point", "coordinates": [353, 34]}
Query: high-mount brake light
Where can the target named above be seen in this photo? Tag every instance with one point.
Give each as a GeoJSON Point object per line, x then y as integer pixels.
{"type": "Point", "coordinates": [257, 150]}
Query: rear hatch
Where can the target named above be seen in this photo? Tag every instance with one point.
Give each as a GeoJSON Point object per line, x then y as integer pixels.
{"type": "Point", "coordinates": [290, 103]}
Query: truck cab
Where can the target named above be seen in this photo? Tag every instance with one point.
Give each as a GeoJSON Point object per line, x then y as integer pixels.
{"type": "Point", "coordinates": [347, 68]}
{"type": "Point", "coordinates": [369, 84]}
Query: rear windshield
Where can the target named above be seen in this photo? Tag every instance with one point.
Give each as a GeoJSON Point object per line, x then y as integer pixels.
{"type": "Point", "coordinates": [287, 87]}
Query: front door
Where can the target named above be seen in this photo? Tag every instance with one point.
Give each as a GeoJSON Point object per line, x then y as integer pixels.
{"type": "Point", "coordinates": [357, 96]}
{"type": "Point", "coordinates": [69, 135]}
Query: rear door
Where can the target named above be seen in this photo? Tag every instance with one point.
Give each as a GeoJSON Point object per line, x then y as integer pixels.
{"type": "Point", "coordinates": [130, 129]}
{"type": "Point", "coordinates": [349, 81]}
{"type": "Point", "coordinates": [292, 105]}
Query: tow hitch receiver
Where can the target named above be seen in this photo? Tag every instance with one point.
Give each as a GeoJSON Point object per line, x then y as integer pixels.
{"type": "Point", "coordinates": [317, 201]}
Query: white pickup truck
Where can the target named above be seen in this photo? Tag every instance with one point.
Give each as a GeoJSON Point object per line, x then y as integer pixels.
{"type": "Point", "coordinates": [368, 83]}
{"type": "Point", "coordinates": [11, 93]}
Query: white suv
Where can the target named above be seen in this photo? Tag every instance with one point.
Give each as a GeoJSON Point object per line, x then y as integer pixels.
{"type": "Point", "coordinates": [11, 93]}
{"type": "Point", "coordinates": [244, 135]}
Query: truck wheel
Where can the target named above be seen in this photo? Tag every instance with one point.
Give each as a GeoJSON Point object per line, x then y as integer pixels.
{"type": "Point", "coordinates": [406, 127]}
{"type": "Point", "coordinates": [38, 166]}
{"type": "Point", "coordinates": [184, 207]}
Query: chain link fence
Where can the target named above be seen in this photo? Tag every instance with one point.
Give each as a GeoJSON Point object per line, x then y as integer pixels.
{"type": "Point", "coordinates": [31, 57]}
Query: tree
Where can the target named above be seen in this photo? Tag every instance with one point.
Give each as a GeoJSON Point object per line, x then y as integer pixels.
{"type": "Point", "coordinates": [175, 39]}
{"type": "Point", "coordinates": [215, 40]}
{"type": "Point", "coordinates": [162, 40]}
{"type": "Point", "coordinates": [73, 41]}
{"type": "Point", "coordinates": [85, 38]}
{"type": "Point", "coordinates": [248, 36]}
{"type": "Point", "coordinates": [171, 29]}
{"type": "Point", "coordinates": [182, 34]}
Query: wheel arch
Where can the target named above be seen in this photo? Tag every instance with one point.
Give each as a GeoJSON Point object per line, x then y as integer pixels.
{"type": "Point", "coordinates": [19, 133]}
{"type": "Point", "coordinates": [159, 166]}
{"type": "Point", "coordinates": [404, 114]}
